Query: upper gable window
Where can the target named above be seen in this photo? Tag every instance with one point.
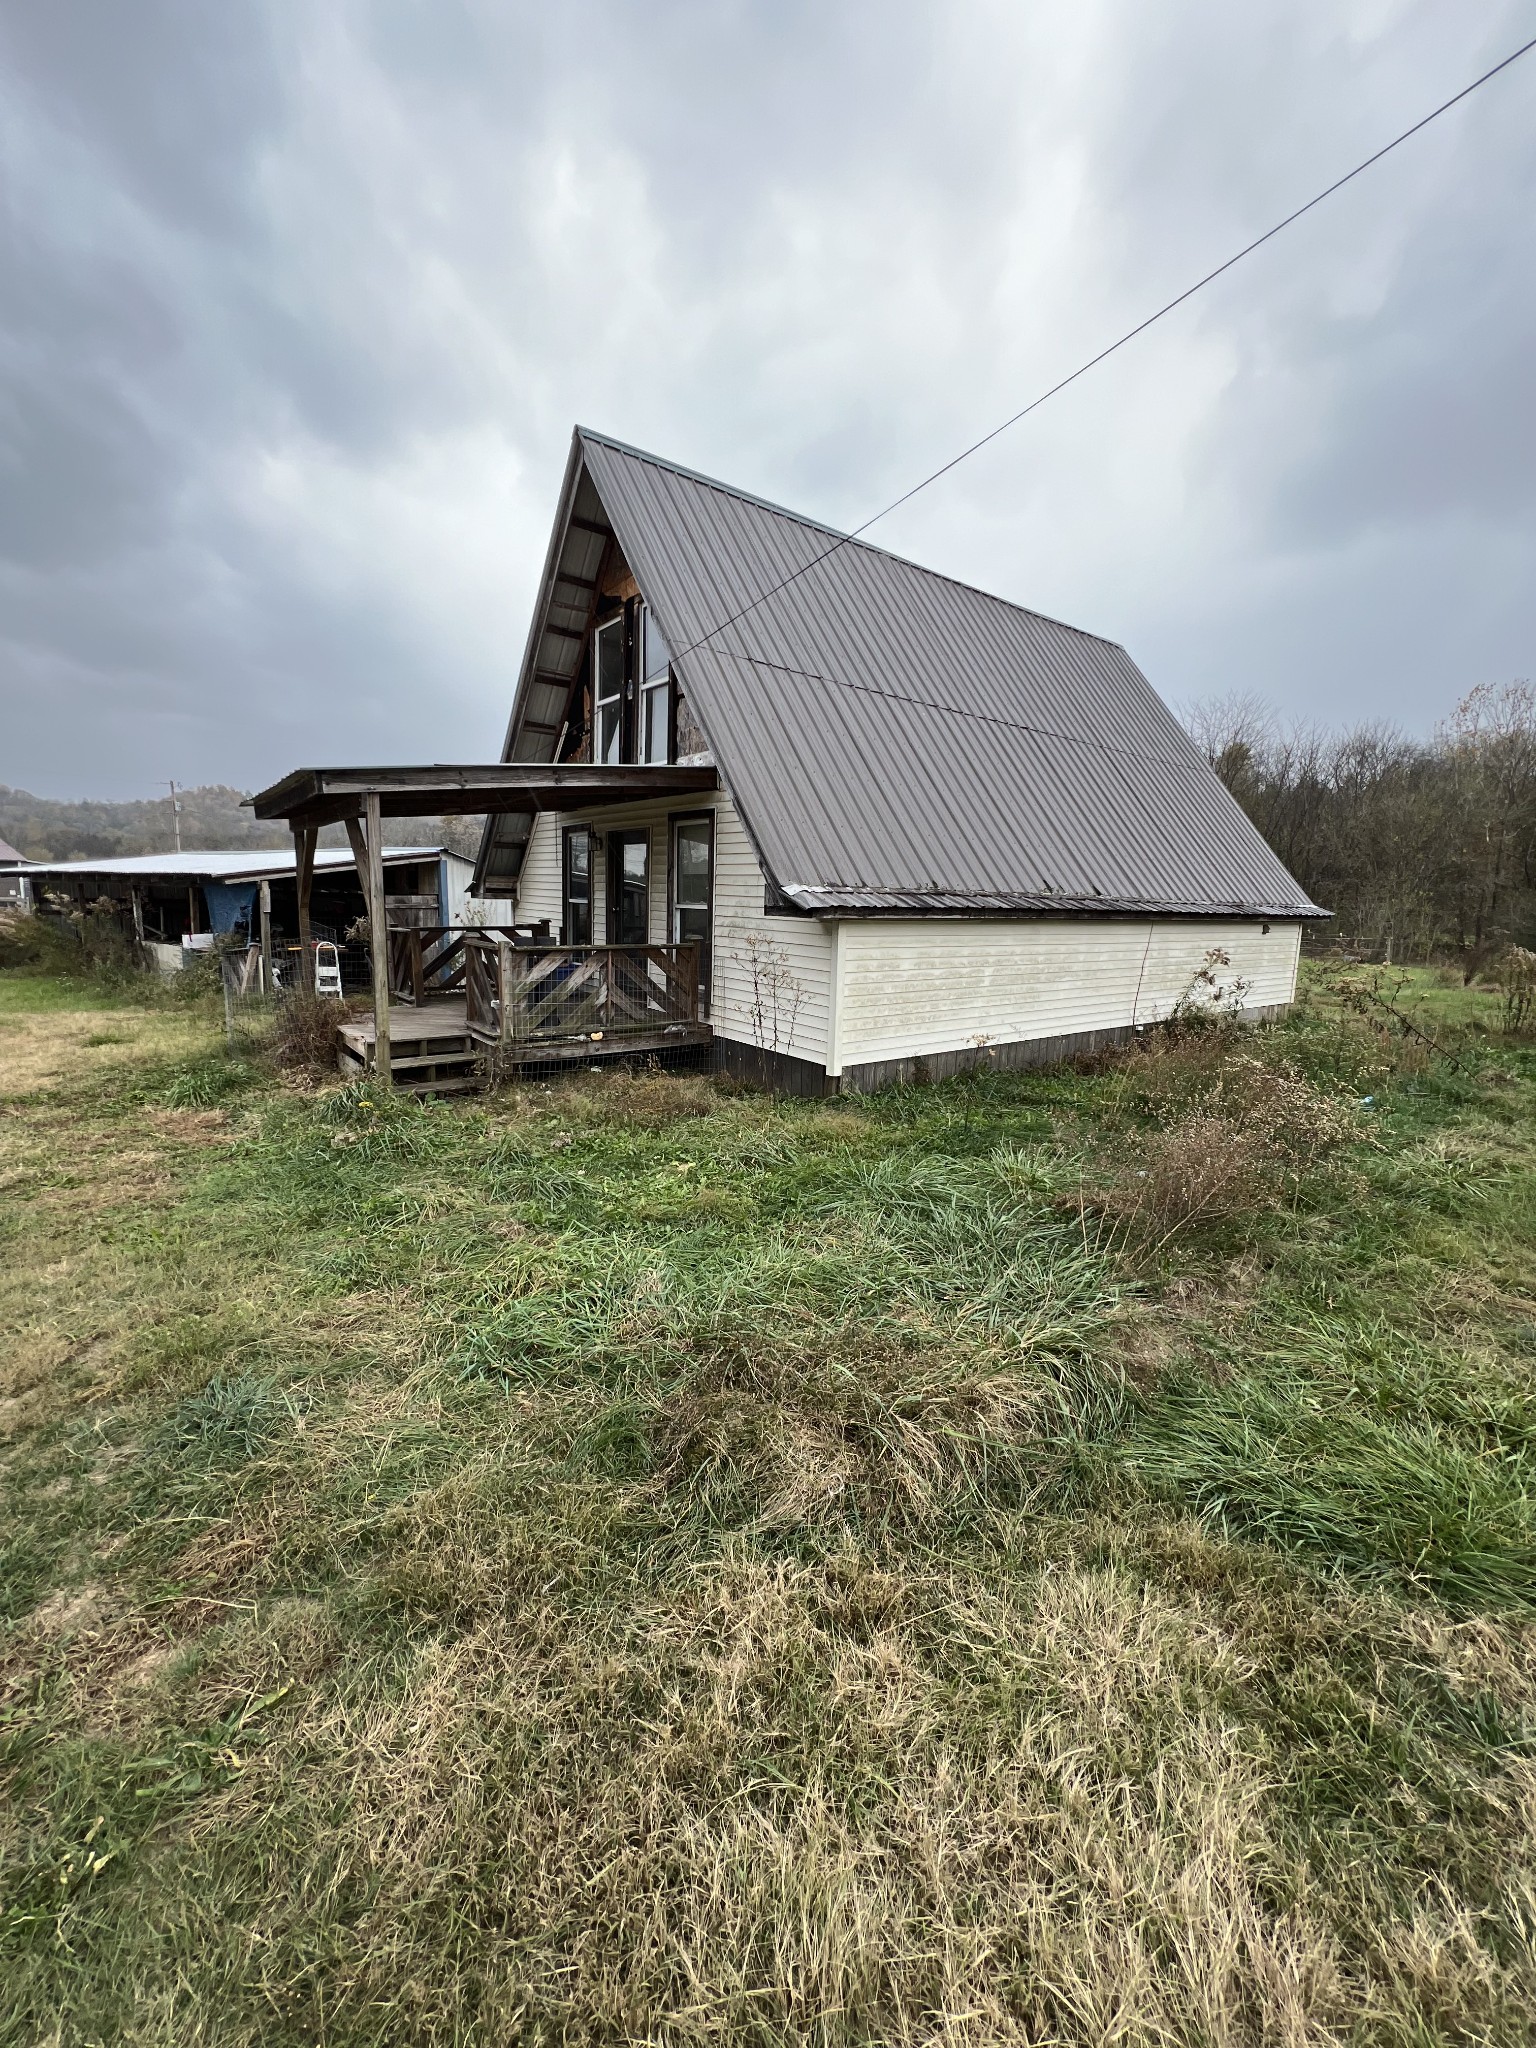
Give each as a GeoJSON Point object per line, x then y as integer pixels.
{"type": "Point", "coordinates": [654, 738]}
{"type": "Point", "coordinates": [608, 675]}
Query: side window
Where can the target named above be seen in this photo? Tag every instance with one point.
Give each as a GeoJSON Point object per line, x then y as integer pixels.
{"type": "Point", "coordinates": [608, 690]}
{"type": "Point", "coordinates": [576, 924]}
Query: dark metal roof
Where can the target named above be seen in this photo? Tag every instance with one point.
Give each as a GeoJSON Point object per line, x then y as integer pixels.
{"type": "Point", "coordinates": [898, 742]}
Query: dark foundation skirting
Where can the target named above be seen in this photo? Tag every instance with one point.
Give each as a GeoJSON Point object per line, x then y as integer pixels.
{"type": "Point", "coordinates": [1017, 1053]}
{"type": "Point", "coordinates": [781, 1073]}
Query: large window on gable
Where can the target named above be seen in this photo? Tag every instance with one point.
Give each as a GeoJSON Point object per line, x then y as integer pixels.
{"type": "Point", "coordinates": [634, 696]}
{"type": "Point", "coordinates": [655, 670]}
{"type": "Point", "coordinates": [608, 691]}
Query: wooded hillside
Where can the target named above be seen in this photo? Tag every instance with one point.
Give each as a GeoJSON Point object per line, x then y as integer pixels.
{"type": "Point", "coordinates": [46, 828]}
{"type": "Point", "coordinates": [1423, 849]}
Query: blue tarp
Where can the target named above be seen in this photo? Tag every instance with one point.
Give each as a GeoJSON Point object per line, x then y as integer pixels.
{"type": "Point", "coordinates": [229, 904]}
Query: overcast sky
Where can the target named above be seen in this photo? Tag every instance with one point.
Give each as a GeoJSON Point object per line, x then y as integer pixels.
{"type": "Point", "coordinates": [299, 304]}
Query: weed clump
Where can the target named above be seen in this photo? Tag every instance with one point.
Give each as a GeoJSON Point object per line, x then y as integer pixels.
{"type": "Point", "coordinates": [204, 1083]}
{"type": "Point", "coordinates": [1513, 974]}
{"type": "Point", "coordinates": [1233, 1135]}
{"type": "Point", "coordinates": [304, 1033]}
{"type": "Point", "coordinates": [230, 1422]}
{"type": "Point", "coordinates": [647, 1099]}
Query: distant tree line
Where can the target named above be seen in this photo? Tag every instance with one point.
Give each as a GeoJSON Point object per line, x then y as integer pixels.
{"type": "Point", "coordinates": [47, 828]}
{"type": "Point", "coordinates": [212, 816]}
{"type": "Point", "coordinates": [1423, 849]}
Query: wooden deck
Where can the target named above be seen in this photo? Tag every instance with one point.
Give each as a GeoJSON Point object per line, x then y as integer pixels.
{"type": "Point", "coordinates": [433, 1052]}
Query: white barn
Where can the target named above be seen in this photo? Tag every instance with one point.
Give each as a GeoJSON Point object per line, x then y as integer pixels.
{"type": "Point", "coordinates": [940, 827]}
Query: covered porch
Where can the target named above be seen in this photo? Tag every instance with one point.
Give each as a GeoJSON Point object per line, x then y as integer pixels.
{"type": "Point", "coordinates": [449, 1002]}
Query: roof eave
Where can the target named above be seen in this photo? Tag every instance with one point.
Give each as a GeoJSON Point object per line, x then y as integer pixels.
{"type": "Point", "coordinates": [875, 903]}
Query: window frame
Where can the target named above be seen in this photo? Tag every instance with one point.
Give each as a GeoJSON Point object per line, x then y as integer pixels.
{"type": "Point", "coordinates": [648, 685]}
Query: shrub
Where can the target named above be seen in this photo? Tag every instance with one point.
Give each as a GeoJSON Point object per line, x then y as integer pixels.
{"type": "Point", "coordinates": [1513, 974]}
{"type": "Point", "coordinates": [304, 1033]}
{"type": "Point", "coordinates": [87, 945]}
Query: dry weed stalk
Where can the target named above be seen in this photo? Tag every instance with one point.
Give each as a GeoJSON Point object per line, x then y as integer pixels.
{"type": "Point", "coordinates": [304, 1033]}
{"type": "Point", "coordinates": [775, 991]}
{"type": "Point", "coordinates": [1243, 1133]}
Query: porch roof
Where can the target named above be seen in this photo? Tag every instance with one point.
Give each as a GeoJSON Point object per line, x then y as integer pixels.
{"type": "Point", "coordinates": [322, 796]}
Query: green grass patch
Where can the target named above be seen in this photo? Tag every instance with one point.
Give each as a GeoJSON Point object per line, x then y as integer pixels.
{"type": "Point", "coordinates": [638, 1562]}
{"type": "Point", "coordinates": [25, 994]}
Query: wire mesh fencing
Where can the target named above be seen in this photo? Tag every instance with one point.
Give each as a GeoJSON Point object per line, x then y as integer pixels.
{"type": "Point", "coordinates": [259, 984]}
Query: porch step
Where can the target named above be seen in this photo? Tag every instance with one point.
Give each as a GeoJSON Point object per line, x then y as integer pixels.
{"type": "Point", "coordinates": [440, 1062]}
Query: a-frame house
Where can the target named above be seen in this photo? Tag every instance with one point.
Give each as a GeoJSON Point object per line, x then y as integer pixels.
{"type": "Point", "coordinates": [943, 827]}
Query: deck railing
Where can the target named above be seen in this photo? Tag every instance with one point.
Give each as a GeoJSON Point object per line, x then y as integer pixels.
{"type": "Point", "coordinates": [537, 995]}
{"type": "Point", "coordinates": [428, 960]}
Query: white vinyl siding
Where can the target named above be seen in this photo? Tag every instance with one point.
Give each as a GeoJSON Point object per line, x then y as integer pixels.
{"type": "Point", "coordinates": [771, 976]}
{"type": "Point", "coordinates": [463, 908]}
{"type": "Point", "coordinates": [908, 987]}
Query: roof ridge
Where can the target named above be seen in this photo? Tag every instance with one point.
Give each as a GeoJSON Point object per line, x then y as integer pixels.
{"type": "Point", "coordinates": [851, 540]}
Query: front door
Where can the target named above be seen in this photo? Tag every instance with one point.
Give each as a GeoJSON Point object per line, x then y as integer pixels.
{"type": "Point", "coordinates": [629, 888]}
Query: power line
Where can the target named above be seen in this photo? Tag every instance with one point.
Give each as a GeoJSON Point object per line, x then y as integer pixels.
{"type": "Point", "coordinates": [1141, 327]}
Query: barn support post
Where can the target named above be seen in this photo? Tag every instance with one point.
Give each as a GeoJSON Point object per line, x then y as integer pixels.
{"type": "Point", "coordinates": [367, 837]}
{"type": "Point", "coordinates": [304, 838]}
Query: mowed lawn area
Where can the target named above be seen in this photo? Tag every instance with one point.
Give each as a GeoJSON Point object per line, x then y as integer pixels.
{"type": "Point", "coordinates": [1042, 1558]}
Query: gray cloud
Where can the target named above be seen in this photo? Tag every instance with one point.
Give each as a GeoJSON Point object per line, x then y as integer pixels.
{"type": "Point", "coordinates": [299, 305]}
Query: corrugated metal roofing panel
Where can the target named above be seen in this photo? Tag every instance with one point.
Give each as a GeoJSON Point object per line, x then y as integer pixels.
{"type": "Point", "coordinates": [250, 864]}
{"type": "Point", "coordinates": [896, 740]}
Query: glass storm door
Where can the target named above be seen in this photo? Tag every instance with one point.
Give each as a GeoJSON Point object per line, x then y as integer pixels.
{"type": "Point", "coordinates": [576, 928]}
{"type": "Point", "coordinates": [629, 888]}
{"type": "Point", "coordinates": [693, 890]}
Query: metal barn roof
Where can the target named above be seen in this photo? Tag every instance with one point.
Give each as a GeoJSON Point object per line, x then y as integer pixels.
{"type": "Point", "coordinates": [254, 864]}
{"type": "Point", "coordinates": [895, 741]}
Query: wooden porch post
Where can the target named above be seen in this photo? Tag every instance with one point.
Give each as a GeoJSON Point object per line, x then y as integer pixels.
{"type": "Point", "coordinates": [367, 837]}
{"type": "Point", "coordinates": [304, 837]}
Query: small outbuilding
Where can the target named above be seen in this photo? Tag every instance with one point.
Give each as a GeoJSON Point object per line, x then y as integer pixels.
{"type": "Point", "coordinates": [15, 885]}
{"type": "Point", "coordinates": [178, 903]}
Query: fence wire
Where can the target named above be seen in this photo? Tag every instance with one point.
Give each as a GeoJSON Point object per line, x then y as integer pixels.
{"type": "Point", "coordinates": [255, 990]}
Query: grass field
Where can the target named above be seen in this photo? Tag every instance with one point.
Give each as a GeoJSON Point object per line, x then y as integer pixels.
{"type": "Point", "coordinates": [1043, 1558]}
